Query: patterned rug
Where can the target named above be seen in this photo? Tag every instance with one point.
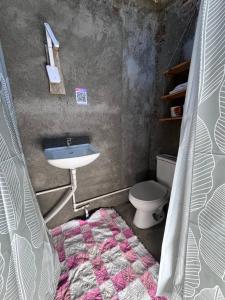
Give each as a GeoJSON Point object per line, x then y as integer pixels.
{"type": "Point", "coordinates": [102, 259]}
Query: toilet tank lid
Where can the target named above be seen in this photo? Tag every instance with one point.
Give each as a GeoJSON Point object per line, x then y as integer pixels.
{"type": "Point", "coordinates": [167, 158]}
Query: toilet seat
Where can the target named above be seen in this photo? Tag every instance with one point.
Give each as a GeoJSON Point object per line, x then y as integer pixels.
{"type": "Point", "coordinates": [149, 198]}
{"type": "Point", "coordinates": [148, 191]}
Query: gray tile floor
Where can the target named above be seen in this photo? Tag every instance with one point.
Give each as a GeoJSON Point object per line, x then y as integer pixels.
{"type": "Point", "coordinates": [151, 238]}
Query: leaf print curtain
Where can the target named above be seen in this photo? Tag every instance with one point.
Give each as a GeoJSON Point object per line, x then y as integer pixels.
{"type": "Point", "coordinates": [193, 252]}
{"type": "Point", "coordinates": [29, 267]}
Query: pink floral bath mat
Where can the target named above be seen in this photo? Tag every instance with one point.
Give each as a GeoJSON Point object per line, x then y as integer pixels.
{"type": "Point", "coordinates": [102, 259]}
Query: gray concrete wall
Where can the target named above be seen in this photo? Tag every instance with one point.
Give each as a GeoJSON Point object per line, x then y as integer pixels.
{"type": "Point", "coordinates": [173, 44]}
{"type": "Point", "coordinates": [107, 47]}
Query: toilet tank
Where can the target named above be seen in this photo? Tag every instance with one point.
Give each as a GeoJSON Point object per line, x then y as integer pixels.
{"type": "Point", "coordinates": [165, 169]}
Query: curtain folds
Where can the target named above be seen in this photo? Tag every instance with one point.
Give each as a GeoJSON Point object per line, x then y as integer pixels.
{"type": "Point", "coordinates": [29, 267]}
{"type": "Point", "coordinates": [193, 260]}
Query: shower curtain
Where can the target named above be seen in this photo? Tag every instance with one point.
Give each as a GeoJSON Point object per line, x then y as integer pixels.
{"type": "Point", "coordinates": [193, 252]}
{"type": "Point", "coordinates": [29, 267]}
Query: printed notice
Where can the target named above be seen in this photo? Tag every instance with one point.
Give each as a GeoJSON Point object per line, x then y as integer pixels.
{"type": "Point", "coordinates": [81, 96]}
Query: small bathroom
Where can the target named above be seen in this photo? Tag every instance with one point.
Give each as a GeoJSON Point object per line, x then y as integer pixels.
{"type": "Point", "coordinates": [108, 167]}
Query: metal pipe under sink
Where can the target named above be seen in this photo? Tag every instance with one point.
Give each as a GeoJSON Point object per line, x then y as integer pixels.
{"type": "Point", "coordinates": [53, 190]}
{"type": "Point", "coordinates": [71, 194]}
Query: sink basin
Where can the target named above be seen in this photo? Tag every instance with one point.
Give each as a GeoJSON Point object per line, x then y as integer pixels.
{"type": "Point", "coordinates": [71, 157]}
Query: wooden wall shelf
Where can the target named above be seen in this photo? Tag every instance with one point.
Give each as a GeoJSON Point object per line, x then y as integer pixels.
{"type": "Point", "coordinates": [178, 68]}
{"type": "Point", "coordinates": [180, 73]}
{"type": "Point", "coordinates": [170, 119]}
{"type": "Point", "coordinates": [173, 96]}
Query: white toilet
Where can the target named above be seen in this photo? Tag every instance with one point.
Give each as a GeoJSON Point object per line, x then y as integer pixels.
{"type": "Point", "coordinates": [149, 197]}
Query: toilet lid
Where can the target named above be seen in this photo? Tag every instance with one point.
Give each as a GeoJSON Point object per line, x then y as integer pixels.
{"type": "Point", "coordinates": [148, 191]}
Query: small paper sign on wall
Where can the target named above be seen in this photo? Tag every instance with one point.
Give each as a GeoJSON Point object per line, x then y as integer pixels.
{"type": "Point", "coordinates": [81, 96]}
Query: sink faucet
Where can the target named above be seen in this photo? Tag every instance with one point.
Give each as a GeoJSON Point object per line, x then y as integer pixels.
{"type": "Point", "coordinates": [68, 141]}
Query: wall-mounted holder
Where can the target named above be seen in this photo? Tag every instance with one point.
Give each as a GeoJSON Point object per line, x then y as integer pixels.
{"type": "Point", "coordinates": [53, 67]}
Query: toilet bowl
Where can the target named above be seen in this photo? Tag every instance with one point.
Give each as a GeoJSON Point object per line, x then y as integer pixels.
{"type": "Point", "coordinates": [150, 197]}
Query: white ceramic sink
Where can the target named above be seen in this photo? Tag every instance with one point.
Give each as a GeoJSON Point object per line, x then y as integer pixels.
{"type": "Point", "coordinates": [71, 157]}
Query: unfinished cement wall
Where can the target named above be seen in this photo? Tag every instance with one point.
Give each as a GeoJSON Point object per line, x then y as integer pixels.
{"type": "Point", "coordinates": [174, 41]}
{"type": "Point", "coordinates": [107, 47]}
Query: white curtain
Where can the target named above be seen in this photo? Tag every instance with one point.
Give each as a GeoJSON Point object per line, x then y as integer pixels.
{"type": "Point", "coordinates": [193, 252]}
{"type": "Point", "coordinates": [29, 266]}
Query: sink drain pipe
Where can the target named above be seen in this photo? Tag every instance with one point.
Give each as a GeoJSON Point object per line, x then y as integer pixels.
{"type": "Point", "coordinates": [86, 202]}
{"type": "Point", "coordinates": [83, 205]}
{"type": "Point", "coordinates": [70, 194]}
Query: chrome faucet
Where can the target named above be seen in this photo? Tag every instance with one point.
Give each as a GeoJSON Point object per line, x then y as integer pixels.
{"type": "Point", "coordinates": [68, 142]}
